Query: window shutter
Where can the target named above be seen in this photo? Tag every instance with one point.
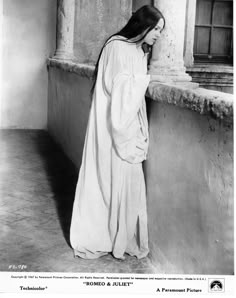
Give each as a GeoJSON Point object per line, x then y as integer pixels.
{"type": "Point", "coordinates": [213, 39]}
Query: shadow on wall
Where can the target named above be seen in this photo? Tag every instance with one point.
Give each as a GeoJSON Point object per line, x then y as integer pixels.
{"type": "Point", "coordinates": [68, 111]}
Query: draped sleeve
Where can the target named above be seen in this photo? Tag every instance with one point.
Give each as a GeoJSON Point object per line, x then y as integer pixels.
{"type": "Point", "coordinates": [126, 89]}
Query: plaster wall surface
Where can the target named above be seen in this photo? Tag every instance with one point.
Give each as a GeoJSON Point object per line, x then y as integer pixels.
{"type": "Point", "coordinates": [68, 110]}
{"type": "Point", "coordinates": [29, 33]}
{"type": "Point", "coordinates": [95, 21]}
{"type": "Point", "coordinates": [189, 176]}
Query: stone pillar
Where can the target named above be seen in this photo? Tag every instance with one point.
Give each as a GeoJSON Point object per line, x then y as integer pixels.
{"type": "Point", "coordinates": [65, 29]}
{"type": "Point", "coordinates": [167, 55]}
{"type": "Point", "coordinates": [189, 32]}
{"type": "Point", "coordinates": [1, 72]}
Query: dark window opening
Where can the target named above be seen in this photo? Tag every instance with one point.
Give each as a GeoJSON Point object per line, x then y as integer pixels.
{"type": "Point", "coordinates": [213, 39]}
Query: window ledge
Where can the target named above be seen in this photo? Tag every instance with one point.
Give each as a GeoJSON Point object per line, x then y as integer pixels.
{"type": "Point", "coordinates": [211, 68]}
{"type": "Point", "coordinates": [212, 75]}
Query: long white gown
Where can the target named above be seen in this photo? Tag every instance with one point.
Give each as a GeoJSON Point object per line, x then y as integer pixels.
{"type": "Point", "coordinates": [109, 211]}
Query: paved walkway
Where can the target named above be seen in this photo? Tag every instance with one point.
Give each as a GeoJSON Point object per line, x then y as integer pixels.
{"type": "Point", "coordinates": [37, 184]}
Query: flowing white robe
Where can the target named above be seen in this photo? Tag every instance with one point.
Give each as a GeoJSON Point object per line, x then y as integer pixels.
{"type": "Point", "coordinates": [109, 211]}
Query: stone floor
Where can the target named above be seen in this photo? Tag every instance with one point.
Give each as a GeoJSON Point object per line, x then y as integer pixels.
{"type": "Point", "coordinates": [37, 184]}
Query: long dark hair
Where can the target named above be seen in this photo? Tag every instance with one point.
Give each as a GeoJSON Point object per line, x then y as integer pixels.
{"type": "Point", "coordinates": [141, 22]}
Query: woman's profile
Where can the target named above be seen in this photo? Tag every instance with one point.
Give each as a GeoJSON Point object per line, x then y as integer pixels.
{"type": "Point", "coordinates": [109, 211]}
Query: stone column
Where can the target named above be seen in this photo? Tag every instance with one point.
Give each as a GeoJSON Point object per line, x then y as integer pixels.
{"type": "Point", "coordinates": [65, 29]}
{"type": "Point", "coordinates": [189, 32]}
{"type": "Point", "coordinates": [167, 55]}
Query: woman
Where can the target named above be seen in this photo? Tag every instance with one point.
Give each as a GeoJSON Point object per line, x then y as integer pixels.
{"type": "Point", "coordinates": [109, 212]}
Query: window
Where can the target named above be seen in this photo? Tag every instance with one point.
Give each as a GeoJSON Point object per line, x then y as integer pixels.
{"type": "Point", "coordinates": [213, 39]}
{"type": "Point", "coordinates": [136, 4]}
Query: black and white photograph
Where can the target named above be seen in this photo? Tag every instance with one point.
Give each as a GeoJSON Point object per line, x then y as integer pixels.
{"type": "Point", "coordinates": [117, 146]}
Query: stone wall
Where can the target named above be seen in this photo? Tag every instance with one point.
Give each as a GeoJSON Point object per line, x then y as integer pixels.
{"type": "Point", "coordinates": [68, 109]}
{"type": "Point", "coordinates": [189, 170]}
{"type": "Point", "coordinates": [95, 21]}
{"type": "Point", "coordinates": [189, 176]}
{"type": "Point", "coordinates": [29, 33]}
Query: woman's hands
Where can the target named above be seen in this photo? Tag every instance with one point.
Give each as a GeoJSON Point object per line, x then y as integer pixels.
{"type": "Point", "coordinates": [136, 150]}
{"type": "Point", "coordinates": [142, 144]}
